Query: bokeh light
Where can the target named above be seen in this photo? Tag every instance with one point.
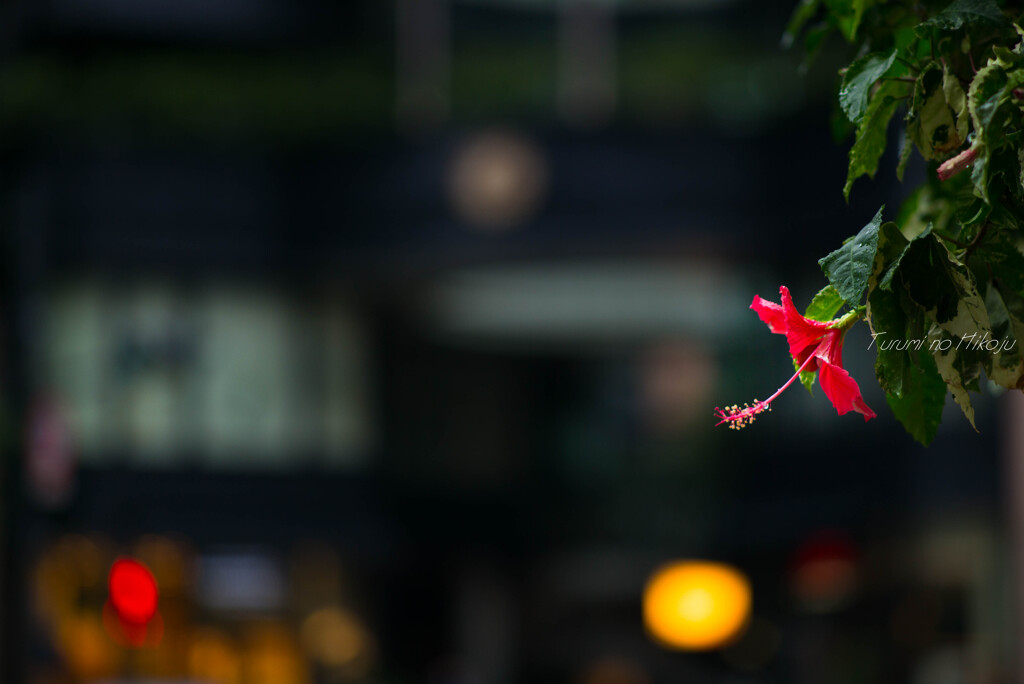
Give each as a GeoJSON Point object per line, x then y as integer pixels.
{"type": "Point", "coordinates": [213, 657]}
{"type": "Point", "coordinates": [133, 591]}
{"type": "Point", "coordinates": [271, 656]}
{"type": "Point", "coordinates": [165, 558]}
{"type": "Point", "coordinates": [338, 639]}
{"type": "Point", "coordinates": [614, 670]}
{"type": "Point", "coordinates": [83, 648]}
{"type": "Point", "coordinates": [497, 180]}
{"type": "Point", "coordinates": [132, 634]}
{"type": "Point", "coordinates": [823, 574]}
{"type": "Point", "coordinates": [695, 605]}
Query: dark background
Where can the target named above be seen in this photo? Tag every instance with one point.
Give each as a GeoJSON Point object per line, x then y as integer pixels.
{"type": "Point", "coordinates": [526, 470]}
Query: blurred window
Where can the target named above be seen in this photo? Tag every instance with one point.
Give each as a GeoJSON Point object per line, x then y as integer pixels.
{"type": "Point", "coordinates": [231, 375]}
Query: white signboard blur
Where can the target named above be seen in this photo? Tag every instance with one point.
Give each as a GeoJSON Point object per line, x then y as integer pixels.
{"type": "Point", "coordinates": [228, 375]}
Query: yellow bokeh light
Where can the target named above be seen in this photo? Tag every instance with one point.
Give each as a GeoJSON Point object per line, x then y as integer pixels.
{"type": "Point", "coordinates": [271, 655]}
{"type": "Point", "coordinates": [337, 638]}
{"type": "Point", "coordinates": [214, 658]}
{"type": "Point", "coordinates": [84, 647]}
{"type": "Point", "coordinates": [696, 605]}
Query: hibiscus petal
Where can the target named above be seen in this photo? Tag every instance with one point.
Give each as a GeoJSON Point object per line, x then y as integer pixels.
{"type": "Point", "coordinates": [802, 356]}
{"type": "Point", "coordinates": [771, 313]}
{"type": "Point", "coordinates": [800, 332]}
{"type": "Point", "coordinates": [831, 348]}
{"type": "Point", "coordinates": [842, 390]}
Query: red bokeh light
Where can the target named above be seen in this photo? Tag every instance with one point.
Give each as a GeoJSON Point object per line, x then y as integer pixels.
{"type": "Point", "coordinates": [824, 573]}
{"type": "Point", "coordinates": [133, 591]}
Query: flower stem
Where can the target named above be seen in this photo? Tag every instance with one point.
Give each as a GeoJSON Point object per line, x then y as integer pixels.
{"type": "Point", "coordinates": [849, 319]}
{"type": "Point", "coordinates": [738, 418]}
{"type": "Point", "coordinates": [909, 65]}
{"type": "Point", "coordinates": [795, 376]}
{"type": "Point", "coordinates": [977, 240]}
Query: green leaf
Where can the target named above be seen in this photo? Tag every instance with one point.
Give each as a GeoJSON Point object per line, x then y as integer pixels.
{"type": "Point", "coordinates": [801, 15]}
{"type": "Point", "coordinates": [1003, 362]}
{"type": "Point", "coordinates": [825, 305]}
{"type": "Point", "coordinates": [854, 22]}
{"type": "Point", "coordinates": [1006, 262]}
{"type": "Point", "coordinates": [847, 15]}
{"type": "Point", "coordinates": [906, 147]}
{"type": "Point", "coordinates": [807, 378]}
{"type": "Point", "coordinates": [944, 288]}
{"type": "Point", "coordinates": [920, 407]}
{"type": "Point", "coordinates": [891, 248]}
{"type": "Point", "coordinates": [931, 122]}
{"type": "Point", "coordinates": [945, 353]}
{"type": "Point", "coordinates": [990, 91]}
{"type": "Point", "coordinates": [993, 109]}
{"type": "Point", "coordinates": [1020, 160]}
{"type": "Point", "coordinates": [968, 13]}
{"type": "Point", "coordinates": [995, 179]}
{"type": "Point", "coordinates": [849, 267]}
{"type": "Point", "coordinates": [956, 100]}
{"type": "Point", "coordinates": [921, 210]}
{"type": "Point", "coordinates": [871, 134]}
{"type": "Point", "coordinates": [888, 325]}
{"type": "Point", "coordinates": [1015, 307]}
{"type": "Point", "coordinates": [969, 211]}
{"type": "Point", "coordinates": [1005, 57]}
{"type": "Point", "coordinates": [857, 81]}
{"type": "Point", "coordinates": [980, 178]}
{"type": "Point", "coordinates": [984, 93]}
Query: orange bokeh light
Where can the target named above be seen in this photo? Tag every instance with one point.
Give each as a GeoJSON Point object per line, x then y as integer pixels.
{"type": "Point", "coordinates": [693, 605]}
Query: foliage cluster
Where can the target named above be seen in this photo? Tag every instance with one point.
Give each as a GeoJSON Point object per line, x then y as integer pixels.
{"type": "Point", "coordinates": [942, 285]}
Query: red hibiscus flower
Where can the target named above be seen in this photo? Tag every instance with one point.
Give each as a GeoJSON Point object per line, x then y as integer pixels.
{"type": "Point", "coordinates": [814, 346]}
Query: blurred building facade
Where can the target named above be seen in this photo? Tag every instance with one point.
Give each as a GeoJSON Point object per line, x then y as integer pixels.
{"type": "Point", "coordinates": [387, 334]}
